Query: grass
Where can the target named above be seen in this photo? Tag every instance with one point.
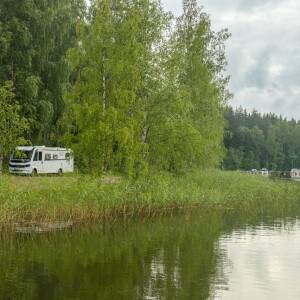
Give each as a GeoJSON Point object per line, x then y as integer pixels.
{"type": "Point", "coordinates": [28, 200]}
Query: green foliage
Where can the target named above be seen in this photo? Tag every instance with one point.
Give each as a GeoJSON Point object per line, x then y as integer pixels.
{"type": "Point", "coordinates": [234, 159]}
{"type": "Point", "coordinates": [184, 118]}
{"type": "Point", "coordinates": [34, 38]}
{"type": "Point", "coordinates": [126, 85]}
{"type": "Point", "coordinates": [144, 95]}
{"type": "Point", "coordinates": [12, 126]}
{"type": "Point", "coordinates": [261, 141]}
{"type": "Point", "coordinates": [202, 64]}
{"type": "Point", "coordinates": [105, 107]}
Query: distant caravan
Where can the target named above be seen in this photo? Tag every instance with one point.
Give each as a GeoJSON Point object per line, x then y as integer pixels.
{"type": "Point", "coordinates": [34, 160]}
{"type": "Point", "coordinates": [295, 174]}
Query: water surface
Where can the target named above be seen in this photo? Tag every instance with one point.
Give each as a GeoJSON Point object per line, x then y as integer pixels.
{"type": "Point", "coordinates": [260, 261]}
{"type": "Point", "coordinates": [177, 257]}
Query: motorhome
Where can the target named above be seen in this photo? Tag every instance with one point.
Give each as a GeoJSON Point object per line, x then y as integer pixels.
{"type": "Point", "coordinates": [41, 160]}
{"type": "Point", "coordinates": [295, 174]}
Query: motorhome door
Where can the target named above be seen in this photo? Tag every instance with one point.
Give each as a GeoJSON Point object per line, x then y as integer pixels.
{"type": "Point", "coordinates": [37, 162]}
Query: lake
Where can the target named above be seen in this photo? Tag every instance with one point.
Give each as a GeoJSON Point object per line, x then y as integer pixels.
{"type": "Point", "coordinates": [199, 256]}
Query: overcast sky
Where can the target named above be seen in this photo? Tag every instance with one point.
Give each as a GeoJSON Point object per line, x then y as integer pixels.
{"type": "Point", "coordinates": [263, 52]}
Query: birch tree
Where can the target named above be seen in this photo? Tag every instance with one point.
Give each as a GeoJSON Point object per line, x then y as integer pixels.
{"type": "Point", "coordinates": [202, 56]}
{"type": "Point", "coordinates": [186, 121]}
{"type": "Point", "coordinates": [106, 107]}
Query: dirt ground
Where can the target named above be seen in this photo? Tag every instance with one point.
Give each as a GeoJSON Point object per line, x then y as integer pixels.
{"type": "Point", "coordinates": [18, 180]}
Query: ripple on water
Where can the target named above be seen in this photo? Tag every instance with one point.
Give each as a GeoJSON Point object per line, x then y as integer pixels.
{"type": "Point", "coordinates": [262, 262]}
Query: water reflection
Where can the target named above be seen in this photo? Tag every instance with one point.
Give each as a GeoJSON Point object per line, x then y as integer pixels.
{"type": "Point", "coordinates": [262, 261]}
{"type": "Point", "coordinates": [206, 256]}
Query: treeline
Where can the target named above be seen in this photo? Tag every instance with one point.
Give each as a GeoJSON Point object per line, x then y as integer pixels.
{"type": "Point", "coordinates": [123, 83]}
{"type": "Point", "coordinates": [256, 141]}
{"type": "Point", "coordinates": [34, 71]}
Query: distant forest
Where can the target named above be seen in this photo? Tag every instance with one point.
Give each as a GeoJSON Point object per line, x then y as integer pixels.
{"type": "Point", "coordinates": [255, 141]}
{"type": "Point", "coordinates": [130, 88]}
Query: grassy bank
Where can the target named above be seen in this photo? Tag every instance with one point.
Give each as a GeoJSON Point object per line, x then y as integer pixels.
{"type": "Point", "coordinates": [26, 200]}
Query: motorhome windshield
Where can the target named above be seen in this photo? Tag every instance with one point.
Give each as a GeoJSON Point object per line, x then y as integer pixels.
{"type": "Point", "coordinates": [22, 155]}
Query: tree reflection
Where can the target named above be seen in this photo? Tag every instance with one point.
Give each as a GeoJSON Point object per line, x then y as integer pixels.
{"type": "Point", "coordinates": [174, 258]}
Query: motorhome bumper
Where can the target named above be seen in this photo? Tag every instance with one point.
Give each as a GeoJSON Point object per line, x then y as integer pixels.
{"type": "Point", "coordinates": [20, 170]}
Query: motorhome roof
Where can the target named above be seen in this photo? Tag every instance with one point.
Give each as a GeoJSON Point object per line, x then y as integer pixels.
{"type": "Point", "coordinates": [25, 148]}
{"type": "Point", "coordinates": [29, 148]}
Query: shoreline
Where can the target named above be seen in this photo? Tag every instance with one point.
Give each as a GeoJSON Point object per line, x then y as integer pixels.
{"type": "Point", "coordinates": [44, 200]}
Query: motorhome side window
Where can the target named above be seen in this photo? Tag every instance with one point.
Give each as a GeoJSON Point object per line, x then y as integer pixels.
{"type": "Point", "coordinates": [67, 155]}
{"type": "Point", "coordinates": [47, 156]}
{"type": "Point", "coordinates": [37, 156]}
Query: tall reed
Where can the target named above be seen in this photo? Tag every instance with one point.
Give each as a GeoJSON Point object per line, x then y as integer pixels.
{"type": "Point", "coordinates": [26, 200]}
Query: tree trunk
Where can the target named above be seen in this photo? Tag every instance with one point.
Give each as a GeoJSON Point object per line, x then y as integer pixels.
{"type": "Point", "coordinates": [104, 100]}
{"type": "Point", "coordinates": [104, 57]}
{"type": "Point", "coordinates": [144, 134]}
{"type": "Point", "coordinates": [1, 163]}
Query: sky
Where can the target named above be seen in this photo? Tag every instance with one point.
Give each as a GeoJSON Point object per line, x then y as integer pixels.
{"type": "Point", "coordinates": [263, 53]}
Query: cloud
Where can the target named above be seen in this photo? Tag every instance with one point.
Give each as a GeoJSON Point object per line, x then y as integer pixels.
{"type": "Point", "coordinates": [263, 52]}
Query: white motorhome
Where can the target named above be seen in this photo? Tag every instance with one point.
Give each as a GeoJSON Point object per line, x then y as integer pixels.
{"type": "Point", "coordinates": [41, 160]}
{"type": "Point", "coordinates": [295, 174]}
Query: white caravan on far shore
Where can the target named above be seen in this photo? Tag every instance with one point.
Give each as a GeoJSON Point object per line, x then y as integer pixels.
{"type": "Point", "coordinates": [41, 160]}
{"type": "Point", "coordinates": [295, 174]}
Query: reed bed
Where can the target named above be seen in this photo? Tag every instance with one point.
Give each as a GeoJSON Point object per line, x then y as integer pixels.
{"type": "Point", "coordinates": [32, 200]}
